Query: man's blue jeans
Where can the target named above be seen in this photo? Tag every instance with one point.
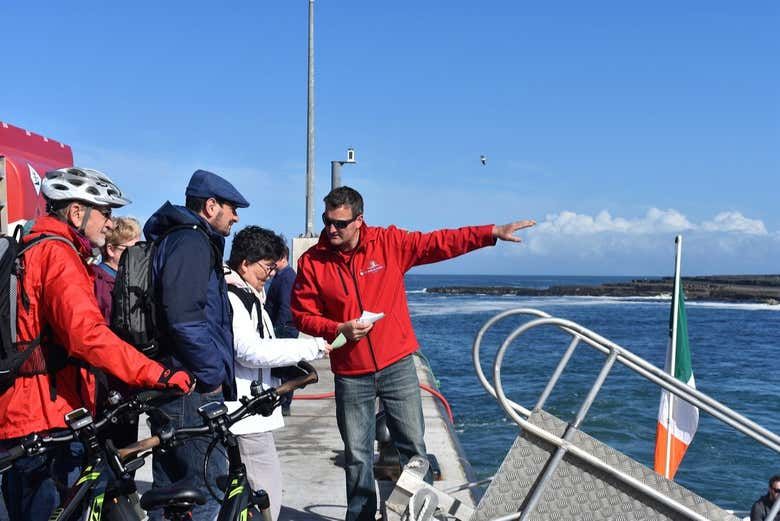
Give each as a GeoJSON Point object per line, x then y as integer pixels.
{"type": "Point", "coordinates": [36, 485]}
{"type": "Point", "coordinates": [183, 465]}
{"type": "Point", "coordinates": [398, 389]}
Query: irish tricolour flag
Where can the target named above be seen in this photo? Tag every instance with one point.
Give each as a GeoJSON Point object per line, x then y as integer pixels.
{"type": "Point", "coordinates": [677, 419]}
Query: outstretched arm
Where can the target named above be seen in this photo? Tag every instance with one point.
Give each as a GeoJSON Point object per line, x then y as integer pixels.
{"type": "Point", "coordinates": [505, 232]}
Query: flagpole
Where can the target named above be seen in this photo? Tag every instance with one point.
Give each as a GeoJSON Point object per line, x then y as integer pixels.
{"type": "Point", "coordinates": [673, 351]}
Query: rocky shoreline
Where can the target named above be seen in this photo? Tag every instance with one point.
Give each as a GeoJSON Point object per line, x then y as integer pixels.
{"type": "Point", "coordinates": [723, 288]}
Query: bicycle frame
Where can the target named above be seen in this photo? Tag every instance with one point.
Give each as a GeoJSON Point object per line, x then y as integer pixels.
{"type": "Point", "coordinates": [239, 497]}
{"type": "Point", "coordinates": [86, 498]}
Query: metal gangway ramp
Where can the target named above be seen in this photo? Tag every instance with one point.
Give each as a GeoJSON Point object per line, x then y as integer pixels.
{"type": "Point", "coordinates": [556, 472]}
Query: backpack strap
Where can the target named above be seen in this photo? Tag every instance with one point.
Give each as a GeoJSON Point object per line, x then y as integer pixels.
{"type": "Point", "coordinates": [54, 360]}
{"type": "Point", "coordinates": [249, 300]}
{"type": "Point", "coordinates": [27, 245]}
{"type": "Point", "coordinates": [216, 256]}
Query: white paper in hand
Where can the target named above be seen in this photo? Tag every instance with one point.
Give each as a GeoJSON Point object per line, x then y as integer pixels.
{"type": "Point", "coordinates": [367, 316]}
{"type": "Point", "coordinates": [370, 317]}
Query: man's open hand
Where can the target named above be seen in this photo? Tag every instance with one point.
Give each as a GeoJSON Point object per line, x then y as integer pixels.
{"type": "Point", "coordinates": [506, 232]}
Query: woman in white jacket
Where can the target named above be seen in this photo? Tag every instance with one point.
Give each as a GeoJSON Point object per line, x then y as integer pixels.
{"type": "Point", "coordinates": [251, 263]}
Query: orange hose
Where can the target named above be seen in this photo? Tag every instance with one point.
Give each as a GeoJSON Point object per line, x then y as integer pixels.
{"type": "Point", "coordinates": [313, 396]}
{"type": "Point", "coordinates": [441, 398]}
{"type": "Point", "coordinates": [431, 390]}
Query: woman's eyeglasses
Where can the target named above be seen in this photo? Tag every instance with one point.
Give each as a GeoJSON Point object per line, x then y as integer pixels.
{"type": "Point", "coordinates": [269, 268]}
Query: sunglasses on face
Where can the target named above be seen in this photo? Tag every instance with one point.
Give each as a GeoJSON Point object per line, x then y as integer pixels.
{"type": "Point", "coordinates": [339, 224]}
{"type": "Point", "coordinates": [228, 204]}
{"type": "Point", "coordinates": [105, 211]}
{"type": "Point", "coordinates": [777, 490]}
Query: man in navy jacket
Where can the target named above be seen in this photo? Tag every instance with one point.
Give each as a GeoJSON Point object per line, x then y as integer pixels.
{"type": "Point", "coordinates": [277, 305]}
{"type": "Point", "coordinates": [195, 318]}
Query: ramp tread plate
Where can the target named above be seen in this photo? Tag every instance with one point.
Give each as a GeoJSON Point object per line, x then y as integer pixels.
{"type": "Point", "coordinates": [578, 490]}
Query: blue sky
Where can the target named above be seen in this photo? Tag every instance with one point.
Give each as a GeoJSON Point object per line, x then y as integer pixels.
{"type": "Point", "coordinates": [615, 125]}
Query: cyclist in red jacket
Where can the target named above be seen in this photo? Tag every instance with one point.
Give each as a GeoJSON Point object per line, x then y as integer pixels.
{"type": "Point", "coordinates": [56, 303]}
{"type": "Point", "coordinates": [356, 268]}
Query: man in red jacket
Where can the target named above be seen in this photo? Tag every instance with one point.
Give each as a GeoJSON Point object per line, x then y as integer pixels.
{"type": "Point", "coordinates": [356, 268]}
{"type": "Point", "coordinates": [56, 303]}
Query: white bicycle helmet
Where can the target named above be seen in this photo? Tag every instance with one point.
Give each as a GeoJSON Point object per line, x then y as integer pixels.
{"type": "Point", "coordinates": [82, 184]}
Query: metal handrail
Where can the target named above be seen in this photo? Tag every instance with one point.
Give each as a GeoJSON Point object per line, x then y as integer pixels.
{"type": "Point", "coordinates": [615, 353]}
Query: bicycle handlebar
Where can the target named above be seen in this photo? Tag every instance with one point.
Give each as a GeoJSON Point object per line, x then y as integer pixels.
{"type": "Point", "coordinates": [40, 443]}
{"type": "Point", "coordinates": [143, 401]}
{"type": "Point", "coordinates": [247, 408]}
{"type": "Point", "coordinates": [12, 454]}
{"type": "Point", "coordinates": [311, 377]}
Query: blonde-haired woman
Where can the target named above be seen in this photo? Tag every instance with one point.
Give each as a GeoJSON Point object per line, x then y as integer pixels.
{"type": "Point", "coordinates": [126, 232]}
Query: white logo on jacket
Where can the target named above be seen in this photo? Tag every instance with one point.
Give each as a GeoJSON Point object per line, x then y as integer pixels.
{"type": "Point", "coordinates": [373, 266]}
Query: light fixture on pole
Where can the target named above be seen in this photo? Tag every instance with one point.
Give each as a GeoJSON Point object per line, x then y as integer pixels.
{"type": "Point", "coordinates": [335, 168]}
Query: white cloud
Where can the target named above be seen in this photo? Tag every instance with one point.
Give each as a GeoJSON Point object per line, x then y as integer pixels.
{"type": "Point", "coordinates": [654, 221]}
{"type": "Point", "coordinates": [582, 243]}
{"type": "Point", "coordinates": [734, 222]}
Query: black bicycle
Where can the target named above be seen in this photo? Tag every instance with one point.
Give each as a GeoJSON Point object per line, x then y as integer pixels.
{"type": "Point", "coordinates": [87, 499]}
{"type": "Point", "coordinates": [239, 501]}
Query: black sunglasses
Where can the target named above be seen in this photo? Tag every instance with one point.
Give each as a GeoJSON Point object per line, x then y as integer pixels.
{"type": "Point", "coordinates": [105, 211]}
{"type": "Point", "coordinates": [339, 224]}
{"type": "Point", "coordinates": [222, 202]}
{"type": "Point", "coordinates": [777, 490]}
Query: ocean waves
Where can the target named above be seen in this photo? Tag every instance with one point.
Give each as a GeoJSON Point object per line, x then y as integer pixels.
{"type": "Point", "coordinates": [434, 305]}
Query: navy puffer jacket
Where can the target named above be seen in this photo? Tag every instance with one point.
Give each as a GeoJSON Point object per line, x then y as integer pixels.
{"type": "Point", "coordinates": [195, 311]}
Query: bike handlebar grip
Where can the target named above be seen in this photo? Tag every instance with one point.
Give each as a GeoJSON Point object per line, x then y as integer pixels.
{"type": "Point", "coordinates": [151, 395]}
{"type": "Point", "coordinates": [11, 455]}
{"type": "Point", "coordinates": [139, 446]}
{"type": "Point", "coordinates": [311, 377]}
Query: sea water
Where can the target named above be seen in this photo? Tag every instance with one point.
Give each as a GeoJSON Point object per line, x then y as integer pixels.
{"type": "Point", "coordinates": [734, 350]}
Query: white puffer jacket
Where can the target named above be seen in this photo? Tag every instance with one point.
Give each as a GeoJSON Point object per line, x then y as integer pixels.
{"type": "Point", "coordinates": [256, 355]}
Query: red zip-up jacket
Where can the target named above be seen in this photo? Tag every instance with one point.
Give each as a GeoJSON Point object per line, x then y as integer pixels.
{"type": "Point", "coordinates": [62, 300]}
{"type": "Point", "coordinates": [329, 289]}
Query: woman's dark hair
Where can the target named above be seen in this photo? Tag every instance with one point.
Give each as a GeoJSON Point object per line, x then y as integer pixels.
{"type": "Point", "coordinates": [345, 196]}
{"type": "Point", "coordinates": [254, 243]}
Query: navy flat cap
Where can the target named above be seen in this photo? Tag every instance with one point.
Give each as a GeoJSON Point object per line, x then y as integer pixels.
{"type": "Point", "coordinates": [205, 184]}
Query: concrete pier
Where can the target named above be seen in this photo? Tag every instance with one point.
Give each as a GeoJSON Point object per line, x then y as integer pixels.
{"type": "Point", "coordinates": [311, 453]}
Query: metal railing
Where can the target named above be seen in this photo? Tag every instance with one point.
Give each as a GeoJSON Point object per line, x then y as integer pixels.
{"type": "Point", "coordinates": [613, 353]}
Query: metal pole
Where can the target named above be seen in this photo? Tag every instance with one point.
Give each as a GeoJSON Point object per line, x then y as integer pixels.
{"type": "Point", "coordinates": [673, 352]}
{"type": "Point", "coordinates": [310, 131]}
{"type": "Point", "coordinates": [335, 174]}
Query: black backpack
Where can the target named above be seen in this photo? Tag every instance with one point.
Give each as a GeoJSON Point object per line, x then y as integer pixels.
{"type": "Point", "coordinates": [134, 313]}
{"type": "Point", "coordinates": [13, 351]}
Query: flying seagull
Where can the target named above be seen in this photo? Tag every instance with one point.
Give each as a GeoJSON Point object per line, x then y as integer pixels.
{"type": "Point", "coordinates": [483, 158]}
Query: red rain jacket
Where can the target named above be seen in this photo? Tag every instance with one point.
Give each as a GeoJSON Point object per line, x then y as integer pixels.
{"type": "Point", "coordinates": [61, 296]}
{"type": "Point", "coordinates": [331, 288]}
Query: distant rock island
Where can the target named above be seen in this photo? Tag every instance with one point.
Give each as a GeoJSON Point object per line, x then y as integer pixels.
{"type": "Point", "coordinates": [723, 288]}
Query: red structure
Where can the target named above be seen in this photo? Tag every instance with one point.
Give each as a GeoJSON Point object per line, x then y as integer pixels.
{"type": "Point", "coordinates": [25, 158]}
